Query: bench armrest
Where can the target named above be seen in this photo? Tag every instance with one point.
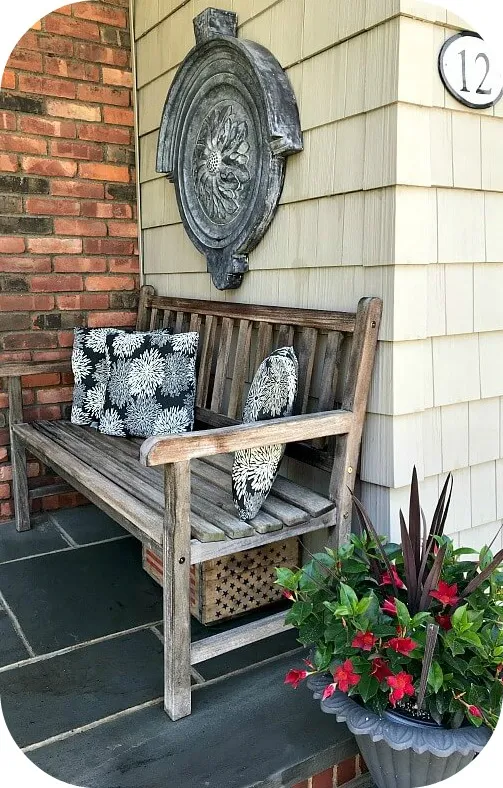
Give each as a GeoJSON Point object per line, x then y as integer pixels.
{"type": "Point", "coordinates": [189, 445]}
{"type": "Point", "coordinates": [14, 370]}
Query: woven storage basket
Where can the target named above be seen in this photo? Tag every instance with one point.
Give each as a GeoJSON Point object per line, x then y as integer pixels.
{"type": "Point", "coordinates": [234, 584]}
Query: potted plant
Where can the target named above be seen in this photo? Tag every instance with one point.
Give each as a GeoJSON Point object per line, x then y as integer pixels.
{"type": "Point", "coordinates": [406, 644]}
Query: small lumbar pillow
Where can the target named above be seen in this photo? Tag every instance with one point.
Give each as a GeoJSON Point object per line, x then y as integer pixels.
{"type": "Point", "coordinates": [90, 372]}
{"type": "Point", "coordinates": [271, 395]}
{"type": "Point", "coordinates": [151, 386]}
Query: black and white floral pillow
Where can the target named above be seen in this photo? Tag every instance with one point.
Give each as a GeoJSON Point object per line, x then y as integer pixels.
{"type": "Point", "coordinates": [90, 372]}
{"type": "Point", "coordinates": [271, 395]}
{"type": "Point", "coordinates": [151, 385]}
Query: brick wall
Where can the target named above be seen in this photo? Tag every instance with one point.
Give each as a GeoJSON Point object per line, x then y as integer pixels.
{"type": "Point", "coordinates": [344, 773]}
{"type": "Point", "coordinates": [68, 233]}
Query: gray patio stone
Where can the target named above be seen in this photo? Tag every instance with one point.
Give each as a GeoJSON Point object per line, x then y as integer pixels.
{"type": "Point", "coordinates": [11, 647]}
{"type": "Point", "coordinates": [87, 524]}
{"type": "Point", "coordinates": [44, 537]}
{"type": "Point", "coordinates": [245, 731]}
{"type": "Point", "coordinates": [48, 697]}
{"type": "Point", "coordinates": [74, 596]}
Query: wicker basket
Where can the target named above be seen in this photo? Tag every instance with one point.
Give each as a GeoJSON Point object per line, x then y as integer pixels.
{"type": "Point", "coordinates": [234, 584]}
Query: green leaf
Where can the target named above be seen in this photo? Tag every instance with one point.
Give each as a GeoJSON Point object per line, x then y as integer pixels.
{"type": "Point", "coordinates": [419, 619]}
{"type": "Point", "coordinates": [485, 558]}
{"type": "Point", "coordinates": [367, 687]}
{"type": "Point", "coordinates": [436, 677]}
{"type": "Point", "coordinates": [459, 618]}
{"type": "Point", "coordinates": [311, 632]}
{"type": "Point", "coordinates": [298, 613]}
{"type": "Point", "coordinates": [348, 597]}
{"type": "Point", "coordinates": [470, 637]}
{"type": "Point", "coordinates": [465, 551]}
{"type": "Point", "coordinates": [363, 606]}
{"type": "Point", "coordinates": [402, 613]}
{"type": "Point", "coordinates": [287, 579]}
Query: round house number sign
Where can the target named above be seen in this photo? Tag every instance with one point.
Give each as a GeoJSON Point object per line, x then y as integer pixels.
{"type": "Point", "coordinates": [468, 72]}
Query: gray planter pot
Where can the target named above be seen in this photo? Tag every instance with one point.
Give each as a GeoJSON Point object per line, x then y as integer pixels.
{"type": "Point", "coordinates": [398, 753]}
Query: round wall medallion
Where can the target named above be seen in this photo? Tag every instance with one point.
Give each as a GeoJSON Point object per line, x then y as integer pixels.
{"type": "Point", "coordinates": [229, 122]}
{"type": "Point", "coordinates": [468, 71]}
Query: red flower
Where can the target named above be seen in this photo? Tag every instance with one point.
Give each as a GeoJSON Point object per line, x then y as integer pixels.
{"type": "Point", "coordinates": [475, 711]}
{"type": "Point", "coordinates": [444, 622]}
{"type": "Point", "coordinates": [445, 594]}
{"type": "Point", "coordinates": [389, 606]}
{"type": "Point", "coordinates": [380, 669]}
{"type": "Point", "coordinates": [387, 581]}
{"type": "Point", "coordinates": [345, 677]}
{"type": "Point", "coordinates": [402, 645]}
{"type": "Point", "coordinates": [294, 677]}
{"type": "Point", "coordinates": [364, 640]}
{"type": "Point", "coordinates": [308, 663]}
{"type": "Point", "coordinates": [329, 691]}
{"type": "Point", "coordinates": [289, 595]}
{"type": "Point", "coordinates": [401, 685]}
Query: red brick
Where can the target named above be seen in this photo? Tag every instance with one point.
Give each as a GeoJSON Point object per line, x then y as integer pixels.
{"type": "Point", "coordinates": [19, 143]}
{"type": "Point", "coordinates": [8, 80]}
{"type": "Point", "coordinates": [55, 45]}
{"type": "Point", "coordinates": [44, 205]}
{"type": "Point", "coordinates": [11, 245]}
{"type": "Point", "coordinates": [103, 95]}
{"type": "Point", "coordinates": [25, 60]}
{"type": "Point", "coordinates": [50, 355]}
{"type": "Point", "coordinates": [47, 86]}
{"type": "Point", "coordinates": [100, 13]}
{"type": "Point", "coordinates": [41, 412]}
{"type": "Point", "coordinates": [102, 54]}
{"type": "Point", "coordinates": [65, 338]}
{"type": "Point", "coordinates": [8, 162]}
{"type": "Point", "coordinates": [324, 779]}
{"type": "Point", "coordinates": [49, 167]}
{"type": "Point", "coordinates": [59, 394]}
{"type": "Point", "coordinates": [98, 210]}
{"type": "Point", "coordinates": [5, 470]}
{"type": "Point", "coordinates": [104, 172]}
{"type": "Point", "coordinates": [68, 109]}
{"type": "Point", "coordinates": [62, 67]}
{"type": "Point", "coordinates": [63, 500]}
{"type": "Point", "coordinates": [23, 302]}
{"type": "Point", "coordinates": [4, 491]}
{"type": "Point", "coordinates": [106, 283]}
{"type": "Point", "coordinates": [28, 41]}
{"type": "Point", "coordinates": [100, 133]}
{"type": "Point", "coordinates": [7, 510]}
{"type": "Point", "coordinates": [111, 319]}
{"type": "Point", "coordinates": [8, 122]}
{"type": "Point", "coordinates": [25, 265]}
{"type": "Point", "coordinates": [77, 189]}
{"type": "Point", "coordinates": [3, 454]}
{"type": "Point", "coordinates": [43, 379]}
{"type": "Point", "coordinates": [74, 28]}
{"type": "Point", "coordinates": [56, 284]}
{"type": "Point", "coordinates": [112, 246]}
{"type": "Point", "coordinates": [30, 339]}
{"type": "Point", "coordinates": [48, 128]}
{"type": "Point", "coordinates": [14, 356]}
{"type": "Point", "coordinates": [119, 117]}
{"type": "Point", "coordinates": [80, 264]}
{"type": "Point", "coordinates": [77, 150]}
{"type": "Point", "coordinates": [123, 265]}
{"type": "Point", "coordinates": [70, 303]}
{"type": "Point", "coordinates": [116, 76]}
{"type": "Point", "coordinates": [55, 245]}
{"type": "Point", "coordinates": [123, 229]}
{"type": "Point", "coordinates": [67, 378]}
{"type": "Point", "coordinates": [346, 771]}
{"type": "Point", "coordinates": [79, 227]}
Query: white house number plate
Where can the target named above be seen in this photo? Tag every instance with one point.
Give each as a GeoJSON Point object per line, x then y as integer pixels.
{"type": "Point", "coordinates": [468, 72]}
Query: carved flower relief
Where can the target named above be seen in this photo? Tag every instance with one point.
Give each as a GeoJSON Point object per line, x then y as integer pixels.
{"type": "Point", "coordinates": [221, 157]}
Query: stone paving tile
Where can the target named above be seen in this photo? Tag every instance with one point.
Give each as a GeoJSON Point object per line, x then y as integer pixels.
{"type": "Point", "coordinates": [50, 696]}
{"type": "Point", "coordinates": [87, 524]}
{"type": "Point", "coordinates": [43, 537]}
{"type": "Point", "coordinates": [246, 730]}
{"type": "Point", "coordinates": [74, 596]}
{"type": "Point", "coordinates": [12, 648]}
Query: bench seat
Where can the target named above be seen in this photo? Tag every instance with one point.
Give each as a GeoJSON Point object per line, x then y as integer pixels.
{"type": "Point", "coordinates": [108, 471]}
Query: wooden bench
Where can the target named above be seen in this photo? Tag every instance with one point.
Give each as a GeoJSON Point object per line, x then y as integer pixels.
{"type": "Point", "coordinates": [174, 492]}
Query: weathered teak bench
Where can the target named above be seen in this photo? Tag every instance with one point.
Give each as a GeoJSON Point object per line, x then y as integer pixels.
{"type": "Point", "coordinates": [189, 512]}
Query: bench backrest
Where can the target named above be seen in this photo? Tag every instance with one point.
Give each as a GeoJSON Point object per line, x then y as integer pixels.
{"type": "Point", "coordinates": [335, 352]}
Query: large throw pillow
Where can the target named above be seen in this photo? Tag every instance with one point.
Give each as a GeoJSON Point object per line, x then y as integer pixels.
{"type": "Point", "coordinates": [151, 385]}
{"type": "Point", "coordinates": [90, 372]}
{"type": "Point", "coordinates": [271, 395]}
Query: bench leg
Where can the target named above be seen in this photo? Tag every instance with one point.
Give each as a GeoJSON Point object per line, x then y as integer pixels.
{"type": "Point", "coordinates": [176, 579]}
{"type": "Point", "coordinates": [18, 456]}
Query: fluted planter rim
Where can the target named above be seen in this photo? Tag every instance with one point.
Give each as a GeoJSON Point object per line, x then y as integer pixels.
{"type": "Point", "coordinates": [441, 742]}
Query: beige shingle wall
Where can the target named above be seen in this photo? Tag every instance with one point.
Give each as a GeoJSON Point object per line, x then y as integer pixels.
{"type": "Point", "coordinates": [397, 194]}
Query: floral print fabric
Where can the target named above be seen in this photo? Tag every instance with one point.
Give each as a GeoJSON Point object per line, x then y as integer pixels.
{"type": "Point", "coordinates": [151, 384]}
{"type": "Point", "coordinates": [90, 372]}
{"type": "Point", "coordinates": [271, 395]}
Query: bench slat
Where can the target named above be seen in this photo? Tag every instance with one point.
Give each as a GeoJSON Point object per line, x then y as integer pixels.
{"type": "Point", "coordinates": [240, 368]}
{"type": "Point", "coordinates": [224, 350]}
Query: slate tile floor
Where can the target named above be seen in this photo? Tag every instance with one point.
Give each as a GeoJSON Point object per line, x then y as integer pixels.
{"type": "Point", "coordinates": [81, 670]}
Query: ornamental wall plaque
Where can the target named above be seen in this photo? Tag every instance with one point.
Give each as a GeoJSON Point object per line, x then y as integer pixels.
{"type": "Point", "coordinates": [229, 122]}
